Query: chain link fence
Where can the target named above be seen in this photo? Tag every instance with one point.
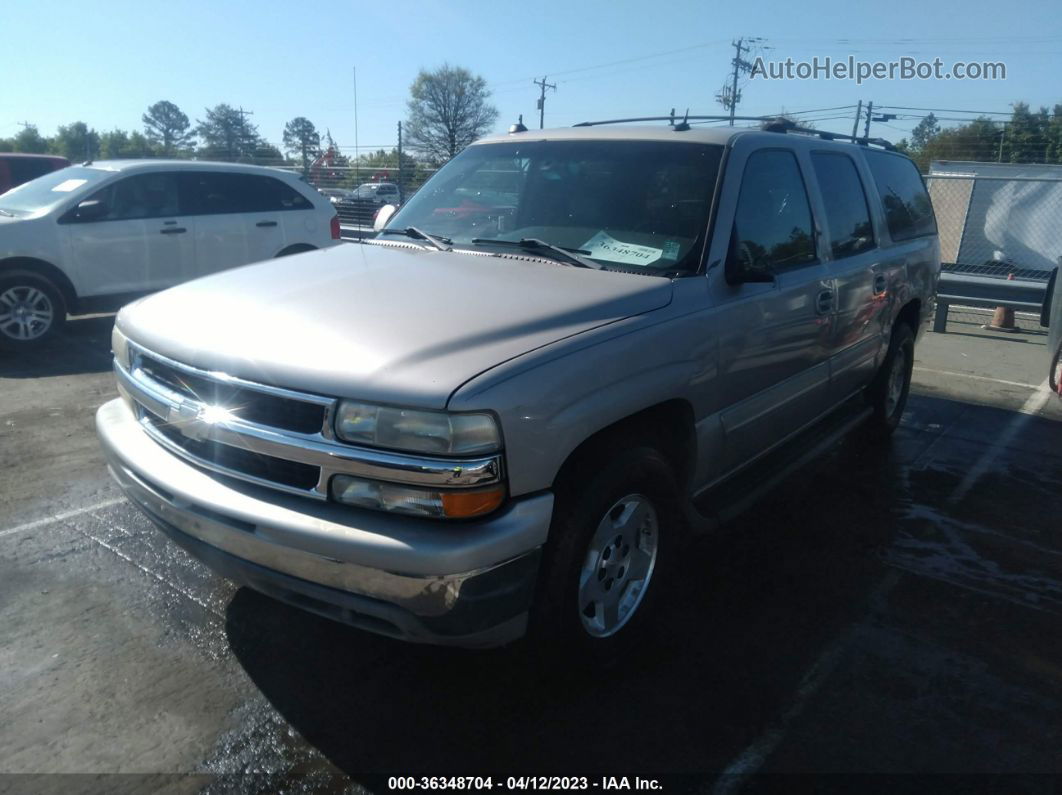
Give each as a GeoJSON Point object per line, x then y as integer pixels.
{"type": "Point", "coordinates": [997, 221]}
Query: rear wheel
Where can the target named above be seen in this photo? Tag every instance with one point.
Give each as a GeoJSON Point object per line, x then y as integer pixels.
{"type": "Point", "coordinates": [31, 310]}
{"type": "Point", "coordinates": [887, 394]}
{"type": "Point", "coordinates": [610, 559]}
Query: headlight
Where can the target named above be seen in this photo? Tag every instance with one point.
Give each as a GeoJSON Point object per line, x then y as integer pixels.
{"type": "Point", "coordinates": [120, 347]}
{"type": "Point", "coordinates": [395, 498]}
{"type": "Point", "coordinates": [410, 430]}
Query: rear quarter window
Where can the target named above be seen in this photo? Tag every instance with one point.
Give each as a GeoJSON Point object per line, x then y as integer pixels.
{"type": "Point", "coordinates": [908, 210]}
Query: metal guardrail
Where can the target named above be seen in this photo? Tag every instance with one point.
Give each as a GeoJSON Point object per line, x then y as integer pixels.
{"type": "Point", "coordinates": [987, 292]}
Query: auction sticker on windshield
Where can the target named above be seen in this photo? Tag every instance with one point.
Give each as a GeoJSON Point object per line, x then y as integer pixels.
{"type": "Point", "coordinates": [604, 246]}
{"type": "Point", "coordinates": [68, 185]}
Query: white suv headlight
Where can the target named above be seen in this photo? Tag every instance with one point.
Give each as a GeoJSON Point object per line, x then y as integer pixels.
{"type": "Point", "coordinates": [412, 430]}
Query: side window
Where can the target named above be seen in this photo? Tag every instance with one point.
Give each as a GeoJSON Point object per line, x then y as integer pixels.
{"type": "Point", "coordinates": [908, 211]}
{"type": "Point", "coordinates": [772, 224]}
{"type": "Point", "coordinates": [219, 193]}
{"type": "Point", "coordinates": [847, 212]}
{"type": "Point", "coordinates": [151, 195]}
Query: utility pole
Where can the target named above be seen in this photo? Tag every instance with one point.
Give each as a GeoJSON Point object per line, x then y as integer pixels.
{"type": "Point", "coordinates": [855, 124]}
{"type": "Point", "coordinates": [542, 84]}
{"type": "Point", "coordinates": [738, 48]}
{"type": "Point", "coordinates": [1002, 138]}
{"type": "Point", "coordinates": [400, 161]}
{"type": "Point", "coordinates": [357, 153]}
{"type": "Point", "coordinates": [729, 96]}
{"type": "Point", "coordinates": [243, 118]}
{"type": "Point", "coordinates": [866, 127]}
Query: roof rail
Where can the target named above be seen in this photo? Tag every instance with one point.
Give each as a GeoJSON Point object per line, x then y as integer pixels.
{"type": "Point", "coordinates": [770, 124]}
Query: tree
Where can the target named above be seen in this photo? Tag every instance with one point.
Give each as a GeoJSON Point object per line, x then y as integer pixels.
{"type": "Point", "coordinates": [76, 142]}
{"type": "Point", "coordinates": [167, 127]}
{"type": "Point", "coordinates": [448, 110]}
{"type": "Point", "coordinates": [29, 140]}
{"type": "Point", "coordinates": [924, 132]}
{"type": "Point", "coordinates": [226, 133]}
{"type": "Point", "coordinates": [302, 138]}
{"type": "Point", "coordinates": [120, 144]}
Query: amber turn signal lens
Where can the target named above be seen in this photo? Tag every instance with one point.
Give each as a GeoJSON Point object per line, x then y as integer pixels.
{"type": "Point", "coordinates": [464, 504]}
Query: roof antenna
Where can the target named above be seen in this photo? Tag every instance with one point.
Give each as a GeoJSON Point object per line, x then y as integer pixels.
{"type": "Point", "coordinates": [683, 125]}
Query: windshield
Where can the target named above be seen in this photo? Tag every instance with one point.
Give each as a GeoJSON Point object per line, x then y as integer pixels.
{"type": "Point", "coordinates": [631, 205]}
{"type": "Point", "coordinates": [51, 189]}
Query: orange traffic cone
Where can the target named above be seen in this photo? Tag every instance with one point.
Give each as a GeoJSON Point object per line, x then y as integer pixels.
{"type": "Point", "coordinates": [1002, 317]}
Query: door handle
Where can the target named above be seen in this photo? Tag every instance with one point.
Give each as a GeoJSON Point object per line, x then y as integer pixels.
{"type": "Point", "coordinates": [879, 283]}
{"type": "Point", "coordinates": [172, 230]}
{"type": "Point", "coordinates": [266, 223]}
{"type": "Point", "coordinates": [824, 302]}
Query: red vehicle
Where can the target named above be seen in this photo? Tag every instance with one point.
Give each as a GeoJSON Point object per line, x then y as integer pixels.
{"type": "Point", "coordinates": [18, 168]}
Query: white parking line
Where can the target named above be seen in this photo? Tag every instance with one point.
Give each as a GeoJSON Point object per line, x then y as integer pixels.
{"type": "Point", "coordinates": [60, 517]}
{"type": "Point", "coordinates": [975, 377]}
{"type": "Point", "coordinates": [755, 755]}
{"type": "Point", "coordinates": [1032, 406]}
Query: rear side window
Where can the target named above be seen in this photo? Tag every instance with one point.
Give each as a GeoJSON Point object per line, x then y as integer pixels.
{"type": "Point", "coordinates": [772, 224]}
{"type": "Point", "coordinates": [908, 211]}
{"type": "Point", "coordinates": [219, 193]}
{"type": "Point", "coordinates": [846, 204]}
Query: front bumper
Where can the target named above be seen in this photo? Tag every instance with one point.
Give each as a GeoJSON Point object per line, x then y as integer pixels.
{"type": "Point", "coordinates": [463, 584]}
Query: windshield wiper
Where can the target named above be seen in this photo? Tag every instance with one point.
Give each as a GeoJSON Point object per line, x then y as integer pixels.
{"type": "Point", "coordinates": [568, 255]}
{"type": "Point", "coordinates": [441, 243]}
{"type": "Point", "coordinates": [5, 212]}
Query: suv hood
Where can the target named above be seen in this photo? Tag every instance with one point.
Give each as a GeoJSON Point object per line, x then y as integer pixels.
{"type": "Point", "coordinates": [381, 323]}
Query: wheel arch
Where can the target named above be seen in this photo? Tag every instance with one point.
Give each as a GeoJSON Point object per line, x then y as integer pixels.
{"type": "Point", "coordinates": [48, 271]}
{"type": "Point", "coordinates": [668, 426]}
{"type": "Point", "coordinates": [295, 248]}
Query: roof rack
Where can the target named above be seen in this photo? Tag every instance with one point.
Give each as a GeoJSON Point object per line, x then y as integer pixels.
{"type": "Point", "coordinates": [769, 124]}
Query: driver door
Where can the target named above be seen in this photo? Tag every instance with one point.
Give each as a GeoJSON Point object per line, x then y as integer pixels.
{"type": "Point", "coordinates": [141, 243]}
{"type": "Point", "coordinates": [773, 335]}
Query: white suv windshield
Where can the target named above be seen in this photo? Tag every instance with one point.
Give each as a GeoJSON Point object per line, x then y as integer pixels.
{"type": "Point", "coordinates": [630, 205]}
{"type": "Point", "coordinates": [51, 189]}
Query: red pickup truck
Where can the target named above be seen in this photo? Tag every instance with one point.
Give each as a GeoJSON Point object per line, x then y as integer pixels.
{"type": "Point", "coordinates": [18, 168]}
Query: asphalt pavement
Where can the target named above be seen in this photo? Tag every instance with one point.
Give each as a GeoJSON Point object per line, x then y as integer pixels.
{"type": "Point", "coordinates": [886, 611]}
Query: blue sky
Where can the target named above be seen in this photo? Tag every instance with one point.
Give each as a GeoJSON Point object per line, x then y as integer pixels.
{"type": "Point", "coordinates": [104, 63]}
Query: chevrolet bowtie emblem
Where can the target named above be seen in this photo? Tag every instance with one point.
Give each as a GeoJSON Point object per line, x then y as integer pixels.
{"type": "Point", "coordinates": [187, 418]}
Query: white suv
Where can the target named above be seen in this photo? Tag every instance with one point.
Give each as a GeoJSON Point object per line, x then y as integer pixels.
{"type": "Point", "coordinates": [89, 238]}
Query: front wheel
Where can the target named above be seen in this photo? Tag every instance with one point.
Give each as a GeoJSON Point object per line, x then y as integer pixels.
{"type": "Point", "coordinates": [887, 394]}
{"type": "Point", "coordinates": [31, 310]}
{"type": "Point", "coordinates": [610, 558]}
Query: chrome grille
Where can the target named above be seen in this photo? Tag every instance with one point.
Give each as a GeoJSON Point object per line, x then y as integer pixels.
{"type": "Point", "coordinates": [267, 435]}
{"type": "Point", "coordinates": [248, 404]}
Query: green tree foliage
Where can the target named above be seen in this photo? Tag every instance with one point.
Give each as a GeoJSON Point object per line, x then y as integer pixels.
{"type": "Point", "coordinates": [449, 108]}
{"type": "Point", "coordinates": [302, 138]}
{"type": "Point", "coordinates": [118, 144]}
{"type": "Point", "coordinates": [29, 140]}
{"type": "Point", "coordinates": [168, 128]}
{"type": "Point", "coordinates": [924, 132]}
{"type": "Point", "coordinates": [225, 133]}
{"type": "Point", "coordinates": [76, 142]}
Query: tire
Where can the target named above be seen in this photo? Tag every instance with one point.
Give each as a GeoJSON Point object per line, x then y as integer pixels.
{"type": "Point", "coordinates": [32, 310]}
{"type": "Point", "coordinates": [622, 517]}
{"type": "Point", "coordinates": [887, 394]}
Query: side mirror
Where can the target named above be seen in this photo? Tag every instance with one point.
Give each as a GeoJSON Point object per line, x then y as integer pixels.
{"type": "Point", "coordinates": [91, 210]}
{"type": "Point", "coordinates": [383, 215]}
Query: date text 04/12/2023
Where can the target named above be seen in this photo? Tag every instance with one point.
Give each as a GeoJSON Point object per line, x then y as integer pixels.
{"type": "Point", "coordinates": [521, 783]}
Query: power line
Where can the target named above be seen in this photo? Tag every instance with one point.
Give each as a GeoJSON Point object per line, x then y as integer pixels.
{"type": "Point", "coordinates": [950, 110]}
